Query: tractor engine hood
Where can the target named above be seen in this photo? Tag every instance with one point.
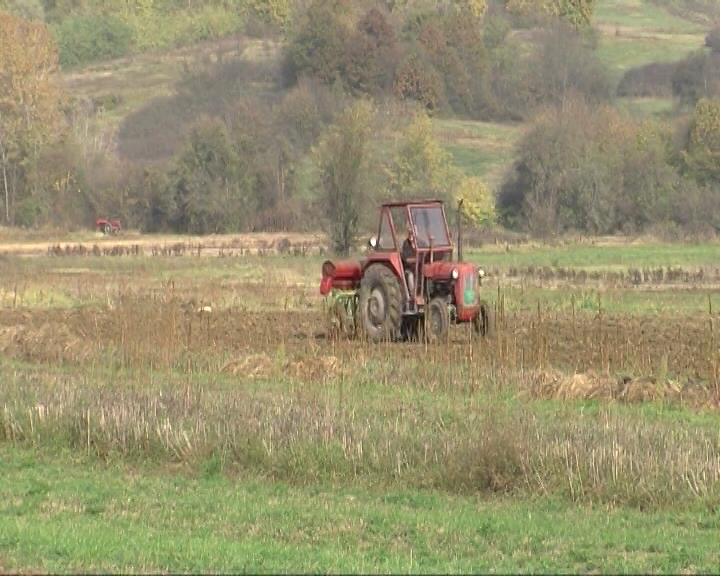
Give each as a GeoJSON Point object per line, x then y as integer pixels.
{"type": "Point", "coordinates": [442, 270]}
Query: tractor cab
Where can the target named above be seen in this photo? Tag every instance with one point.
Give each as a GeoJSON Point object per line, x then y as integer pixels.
{"type": "Point", "coordinates": [409, 281]}
{"type": "Point", "coordinates": [417, 233]}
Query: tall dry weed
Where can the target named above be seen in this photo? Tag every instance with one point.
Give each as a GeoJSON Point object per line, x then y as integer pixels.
{"type": "Point", "coordinates": [306, 434]}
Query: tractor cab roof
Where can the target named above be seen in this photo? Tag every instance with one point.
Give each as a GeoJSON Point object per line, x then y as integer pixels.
{"type": "Point", "coordinates": [425, 217]}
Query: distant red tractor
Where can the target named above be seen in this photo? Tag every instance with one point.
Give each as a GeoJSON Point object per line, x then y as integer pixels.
{"type": "Point", "coordinates": [403, 288]}
{"type": "Point", "coordinates": [107, 226]}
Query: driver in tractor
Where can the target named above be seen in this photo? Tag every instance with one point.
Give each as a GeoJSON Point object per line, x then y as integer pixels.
{"type": "Point", "coordinates": [408, 260]}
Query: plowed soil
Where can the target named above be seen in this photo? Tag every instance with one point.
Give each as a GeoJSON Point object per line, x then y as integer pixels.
{"type": "Point", "coordinates": [163, 333]}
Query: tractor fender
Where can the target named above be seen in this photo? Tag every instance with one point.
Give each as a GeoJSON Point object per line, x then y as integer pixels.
{"type": "Point", "coordinates": [389, 259]}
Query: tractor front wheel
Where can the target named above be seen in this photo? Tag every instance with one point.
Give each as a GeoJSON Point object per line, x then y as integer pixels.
{"type": "Point", "coordinates": [437, 320]}
{"type": "Point", "coordinates": [484, 322]}
{"type": "Point", "coordinates": [379, 305]}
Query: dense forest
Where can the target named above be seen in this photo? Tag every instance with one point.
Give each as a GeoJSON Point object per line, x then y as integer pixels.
{"type": "Point", "coordinates": [340, 117]}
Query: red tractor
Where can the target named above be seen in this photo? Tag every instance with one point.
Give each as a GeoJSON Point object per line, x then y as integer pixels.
{"type": "Point", "coordinates": [107, 226]}
{"type": "Point", "coordinates": [408, 285]}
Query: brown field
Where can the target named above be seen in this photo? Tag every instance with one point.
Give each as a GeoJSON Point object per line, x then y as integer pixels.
{"type": "Point", "coordinates": [141, 318]}
{"type": "Point", "coordinates": [147, 332]}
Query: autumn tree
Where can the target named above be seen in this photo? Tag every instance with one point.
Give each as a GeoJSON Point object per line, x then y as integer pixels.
{"type": "Point", "coordinates": [29, 104]}
{"type": "Point", "coordinates": [316, 46]}
{"type": "Point", "coordinates": [371, 54]}
{"type": "Point", "coordinates": [476, 7]}
{"type": "Point", "coordinates": [275, 12]}
{"type": "Point", "coordinates": [341, 160]}
{"type": "Point", "coordinates": [478, 201]}
{"type": "Point", "coordinates": [578, 13]}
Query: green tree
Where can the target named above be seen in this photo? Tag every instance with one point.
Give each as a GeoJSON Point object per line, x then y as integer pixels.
{"type": "Point", "coordinates": [700, 157]}
{"type": "Point", "coordinates": [213, 181]}
{"type": "Point", "coordinates": [93, 38]}
{"type": "Point", "coordinates": [342, 165]}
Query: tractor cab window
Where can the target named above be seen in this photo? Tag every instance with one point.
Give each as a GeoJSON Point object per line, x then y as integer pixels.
{"type": "Point", "coordinates": [385, 236]}
{"type": "Point", "coordinates": [429, 221]}
{"type": "Point", "coordinates": [401, 222]}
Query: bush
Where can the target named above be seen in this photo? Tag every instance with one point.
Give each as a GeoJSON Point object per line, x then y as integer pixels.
{"type": "Point", "coordinates": [84, 40]}
{"type": "Point", "coordinates": [212, 182]}
{"type": "Point", "coordinates": [712, 40]}
{"type": "Point", "coordinates": [700, 157]}
{"type": "Point", "coordinates": [653, 80]}
{"type": "Point", "coordinates": [478, 201]}
{"type": "Point", "coordinates": [697, 77]}
{"type": "Point", "coordinates": [564, 63]}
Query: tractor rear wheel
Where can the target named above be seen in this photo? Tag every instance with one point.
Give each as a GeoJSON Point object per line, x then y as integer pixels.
{"type": "Point", "coordinates": [484, 322]}
{"type": "Point", "coordinates": [437, 320]}
{"type": "Point", "coordinates": [379, 305]}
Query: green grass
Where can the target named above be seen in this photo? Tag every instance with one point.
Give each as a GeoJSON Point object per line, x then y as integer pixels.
{"type": "Point", "coordinates": [64, 513]}
{"type": "Point", "coordinates": [621, 53]}
{"type": "Point", "coordinates": [479, 148]}
{"type": "Point", "coordinates": [592, 300]}
{"type": "Point", "coordinates": [641, 14]}
{"type": "Point", "coordinates": [619, 256]}
{"type": "Point", "coordinates": [640, 108]}
{"type": "Point", "coordinates": [76, 281]}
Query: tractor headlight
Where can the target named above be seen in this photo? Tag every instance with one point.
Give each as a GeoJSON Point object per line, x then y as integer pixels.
{"type": "Point", "coordinates": [372, 243]}
{"type": "Point", "coordinates": [481, 273]}
{"type": "Point", "coordinates": [455, 274]}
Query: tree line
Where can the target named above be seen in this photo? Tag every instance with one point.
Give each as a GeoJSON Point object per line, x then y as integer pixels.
{"type": "Point", "coordinates": [343, 120]}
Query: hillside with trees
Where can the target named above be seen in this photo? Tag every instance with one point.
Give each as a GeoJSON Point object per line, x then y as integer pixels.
{"type": "Point", "coordinates": [303, 115]}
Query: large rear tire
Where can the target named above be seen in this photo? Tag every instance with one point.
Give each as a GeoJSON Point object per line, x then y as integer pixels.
{"type": "Point", "coordinates": [484, 322]}
{"type": "Point", "coordinates": [379, 305]}
{"type": "Point", "coordinates": [437, 320]}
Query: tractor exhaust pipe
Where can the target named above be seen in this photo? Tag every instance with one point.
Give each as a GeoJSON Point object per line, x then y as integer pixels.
{"type": "Point", "coordinates": [459, 230]}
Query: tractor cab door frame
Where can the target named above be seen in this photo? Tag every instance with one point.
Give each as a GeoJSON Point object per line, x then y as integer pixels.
{"type": "Point", "coordinates": [425, 250]}
{"type": "Point", "coordinates": [387, 246]}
